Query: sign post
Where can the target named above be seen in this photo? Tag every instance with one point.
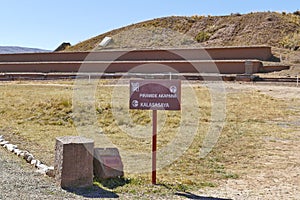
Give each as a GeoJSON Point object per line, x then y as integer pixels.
{"type": "Point", "coordinates": [155, 95]}
{"type": "Point", "coordinates": [154, 144]}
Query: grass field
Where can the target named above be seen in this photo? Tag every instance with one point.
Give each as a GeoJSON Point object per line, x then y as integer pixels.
{"type": "Point", "coordinates": [33, 114]}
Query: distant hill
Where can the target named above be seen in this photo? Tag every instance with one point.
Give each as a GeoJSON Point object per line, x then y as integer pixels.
{"type": "Point", "coordinates": [15, 49]}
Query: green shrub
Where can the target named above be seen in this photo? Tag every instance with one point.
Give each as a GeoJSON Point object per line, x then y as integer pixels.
{"type": "Point", "coordinates": [202, 36]}
{"type": "Point", "coordinates": [291, 41]}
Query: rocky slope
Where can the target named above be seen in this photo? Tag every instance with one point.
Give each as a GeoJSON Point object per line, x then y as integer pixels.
{"type": "Point", "coordinates": [262, 28]}
{"type": "Point", "coordinates": [278, 30]}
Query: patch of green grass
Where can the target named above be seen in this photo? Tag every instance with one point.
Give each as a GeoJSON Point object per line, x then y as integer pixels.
{"type": "Point", "coordinates": [202, 36]}
{"type": "Point", "coordinates": [208, 184]}
{"type": "Point", "coordinates": [291, 41]}
{"type": "Point", "coordinates": [113, 183]}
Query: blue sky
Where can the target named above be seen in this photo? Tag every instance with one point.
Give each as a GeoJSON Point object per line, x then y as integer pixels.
{"type": "Point", "coordinates": [46, 24]}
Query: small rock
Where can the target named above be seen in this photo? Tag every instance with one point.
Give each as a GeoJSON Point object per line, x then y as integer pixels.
{"type": "Point", "coordinates": [33, 162]}
{"type": "Point", "coordinates": [42, 167]}
{"type": "Point", "coordinates": [4, 143]}
{"type": "Point", "coordinates": [22, 154]}
{"type": "Point", "coordinates": [10, 147]}
{"type": "Point", "coordinates": [50, 172]}
{"type": "Point", "coordinates": [17, 151]}
{"type": "Point", "coordinates": [29, 158]}
{"type": "Point", "coordinates": [37, 163]}
{"type": "Point", "coordinates": [26, 154]}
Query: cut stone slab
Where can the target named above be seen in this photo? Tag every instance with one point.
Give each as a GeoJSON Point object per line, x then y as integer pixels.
{"type": "Point", "coordinates": [73, 165]}
{"type": "Point", "coordinates": [107, 163]}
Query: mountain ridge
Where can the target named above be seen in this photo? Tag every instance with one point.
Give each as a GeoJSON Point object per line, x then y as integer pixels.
{"type": "Point", "coordinates": [18, 49]}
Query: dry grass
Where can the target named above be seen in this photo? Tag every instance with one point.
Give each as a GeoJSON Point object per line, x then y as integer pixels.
{"type": "Point", "coordinates": [291, 41]}
{"type": "Point", "coordinates": [32, 116]}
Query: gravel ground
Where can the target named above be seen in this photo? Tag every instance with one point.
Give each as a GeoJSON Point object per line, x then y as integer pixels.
{"type": "Point", "coordinates": [274, 176]}
{"type": "Point", "coordinates": [18, 180]}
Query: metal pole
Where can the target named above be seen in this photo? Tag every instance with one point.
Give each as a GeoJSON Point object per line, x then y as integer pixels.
{"type": "Point", "coordinates": [154, 147]}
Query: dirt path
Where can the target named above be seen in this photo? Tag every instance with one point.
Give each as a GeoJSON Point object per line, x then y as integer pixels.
{"type": "Point", "coordinates": [276, 174]}
{"type": "Point", "coordinates": [273, 176]}
{"type": "Point", "coordinates": [273, 89]}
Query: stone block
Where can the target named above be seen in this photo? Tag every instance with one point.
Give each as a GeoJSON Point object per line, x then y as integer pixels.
{"type": "Point", "coordinates": [73, 165]}
{"type": "Point", "coordinates": [107, 163]}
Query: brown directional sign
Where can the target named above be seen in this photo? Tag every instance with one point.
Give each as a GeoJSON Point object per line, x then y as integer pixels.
{"type": "Point", "coordinates": [155, 94]}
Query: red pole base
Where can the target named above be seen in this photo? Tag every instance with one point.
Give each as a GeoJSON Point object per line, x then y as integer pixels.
{"type": "Point", "coordinates": [154, 146]}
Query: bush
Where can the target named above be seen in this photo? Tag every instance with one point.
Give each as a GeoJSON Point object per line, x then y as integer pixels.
{"type": "Point", "coordinates": [236, 14]}
{"type": "Point", "coordinates": [291, 41]}
{"type": "Point", "coordinates": [202, 36]}
{"type": "Point", "coordinates": [297, 12]}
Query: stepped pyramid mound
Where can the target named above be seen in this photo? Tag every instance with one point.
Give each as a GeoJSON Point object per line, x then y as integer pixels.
{"type": "Point", "coordinates": [261, 28]}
